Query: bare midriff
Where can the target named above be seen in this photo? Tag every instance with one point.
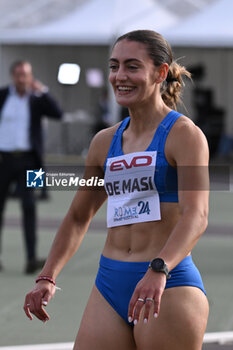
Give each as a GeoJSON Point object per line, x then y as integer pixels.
{"type": "Point", "coordinates": [142, 241]}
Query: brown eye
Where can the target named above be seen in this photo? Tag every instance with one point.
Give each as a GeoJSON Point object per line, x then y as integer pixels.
{"type": "Point", "coordinates": [113, 67]}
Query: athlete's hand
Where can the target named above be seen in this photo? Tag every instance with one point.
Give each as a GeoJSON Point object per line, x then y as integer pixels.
{"type": "Point", "coordinates": [38, 297]}
{"type": "Point", "coordinates": [148, 292]}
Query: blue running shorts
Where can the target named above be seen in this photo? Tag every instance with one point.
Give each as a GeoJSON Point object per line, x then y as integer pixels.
{"type": "Point", "coordinates": [116, 280]}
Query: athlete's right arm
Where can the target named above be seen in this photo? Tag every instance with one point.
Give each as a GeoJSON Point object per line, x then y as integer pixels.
{"type": "Point", "coordinates": [73, 228]}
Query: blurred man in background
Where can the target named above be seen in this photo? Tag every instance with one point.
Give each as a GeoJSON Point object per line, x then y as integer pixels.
{"type": "Point", "coordinates": [22, 106]}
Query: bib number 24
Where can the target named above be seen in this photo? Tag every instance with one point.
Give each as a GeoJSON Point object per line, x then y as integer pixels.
{"type": "Point", "coordinates": [144, 207]}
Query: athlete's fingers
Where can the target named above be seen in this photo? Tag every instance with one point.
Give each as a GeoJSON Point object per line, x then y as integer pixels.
{"type": "Point", "coordinates": [41, 314]}
{"type": "Point", "coordinates": [138, 308]}
{"type": "Point", "coordinates": [34, 305]}
{"type": "Point", "coordinates": [37, 309]}
{"type": "Point", "coordinates": [26, 308]}
{"type": "Point", "coordinates": [158, 289]}
{"type": "Point", "coordinates": [156, 306]}
{"type": "Point", "coordinates": [46, 298]}
{"type": "Point", "coordinates": [132, 303]}
{"type": "Point", "coordinates": [149, 303]}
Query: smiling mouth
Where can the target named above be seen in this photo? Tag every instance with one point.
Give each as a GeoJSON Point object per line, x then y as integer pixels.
{"type": "Point", "coordinates": [125, 88]}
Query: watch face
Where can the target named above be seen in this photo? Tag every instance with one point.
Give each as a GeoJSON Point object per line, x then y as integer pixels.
{"type": "Point", "coordinates": [157, 264]}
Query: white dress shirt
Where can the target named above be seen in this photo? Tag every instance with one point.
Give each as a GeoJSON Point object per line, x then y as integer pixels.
{"type": "Point", "coordinates": [15, 123]}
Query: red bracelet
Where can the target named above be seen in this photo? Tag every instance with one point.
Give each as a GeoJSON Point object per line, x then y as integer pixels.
{"type": "Point", "coordinates": [46, 278]}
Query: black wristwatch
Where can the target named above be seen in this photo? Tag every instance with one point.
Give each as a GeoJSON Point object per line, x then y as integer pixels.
{"type": "Point", "coordinates": [159, 265]}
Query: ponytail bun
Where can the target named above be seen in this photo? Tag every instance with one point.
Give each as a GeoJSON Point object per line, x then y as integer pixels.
{"type": "Point", "coordinates": [171, 89]}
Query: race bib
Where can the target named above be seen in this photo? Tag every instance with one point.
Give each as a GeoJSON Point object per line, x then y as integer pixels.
{"type": "Point", "coordinates": [132, 194]}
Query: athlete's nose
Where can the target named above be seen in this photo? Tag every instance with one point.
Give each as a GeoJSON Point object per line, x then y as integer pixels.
{"type": "Point", "coordinates": [121, 74]}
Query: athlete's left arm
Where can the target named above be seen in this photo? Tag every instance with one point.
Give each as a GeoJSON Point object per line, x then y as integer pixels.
{"type": "Point", "coordinates": [189, 150]}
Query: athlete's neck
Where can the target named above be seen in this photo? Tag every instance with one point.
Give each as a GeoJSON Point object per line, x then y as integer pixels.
{"type": "Point", "coordinates": [147, 117]}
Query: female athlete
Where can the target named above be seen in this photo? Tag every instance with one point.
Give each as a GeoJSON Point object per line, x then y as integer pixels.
{"type": "Point", "coordinates": [148, 293]}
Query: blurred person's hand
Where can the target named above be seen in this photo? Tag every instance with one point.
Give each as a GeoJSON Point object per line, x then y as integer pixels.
{"type": "Point", "coordinates": [37, 86]}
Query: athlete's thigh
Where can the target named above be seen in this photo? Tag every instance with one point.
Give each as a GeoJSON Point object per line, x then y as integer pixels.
{"type": "Point", "coordinates": [181, 323]}
{"type": "Point", "coordinates": [102, 328]}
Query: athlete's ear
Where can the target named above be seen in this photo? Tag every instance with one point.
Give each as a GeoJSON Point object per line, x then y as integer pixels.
{"type": "Point", "coordinates": [162, 73]}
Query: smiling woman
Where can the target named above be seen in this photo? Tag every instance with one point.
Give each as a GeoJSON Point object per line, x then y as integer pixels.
{"type": "Point", "coordinates": [147, 286]}
{"type": "Point", "coordinates": [140, 65]}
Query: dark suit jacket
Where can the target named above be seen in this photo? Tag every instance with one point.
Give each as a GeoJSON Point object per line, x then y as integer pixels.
{"type": "Point", "coordinates": [40, 105]}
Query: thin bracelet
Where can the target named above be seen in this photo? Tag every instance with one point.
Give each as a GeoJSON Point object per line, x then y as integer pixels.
{"type": "Point", "coordinates": [49, 279]}
{"type": "Point", "coordinates": [46, 278]}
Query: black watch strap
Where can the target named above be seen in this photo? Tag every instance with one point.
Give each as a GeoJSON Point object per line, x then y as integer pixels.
{"type": "Point", "coordinates": [159, 265]}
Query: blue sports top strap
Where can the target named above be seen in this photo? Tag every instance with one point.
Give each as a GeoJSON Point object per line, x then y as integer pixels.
{"type": "Point", "coordinates": [162, 132]}
{"type": "Point", "coordinates": [115, 147]}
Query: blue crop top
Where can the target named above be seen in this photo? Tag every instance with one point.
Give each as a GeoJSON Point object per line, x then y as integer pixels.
{"type": "Point", "coordinates": [165, 175]}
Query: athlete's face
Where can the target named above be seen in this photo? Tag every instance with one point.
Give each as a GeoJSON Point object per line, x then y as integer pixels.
{"type": "Point", "coordinates": [133, 74]}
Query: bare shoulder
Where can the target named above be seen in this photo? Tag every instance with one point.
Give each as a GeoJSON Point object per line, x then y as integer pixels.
{"type": "Point", "coordinates": [186, 141]}
{"type": "Point", "coordinates": [188, 132]}
{"type": "Point", "coordinates": [100, 145]}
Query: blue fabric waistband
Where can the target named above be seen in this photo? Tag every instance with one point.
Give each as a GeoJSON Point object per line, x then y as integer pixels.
{"type": "Point", "coordinates": [141, 266]}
